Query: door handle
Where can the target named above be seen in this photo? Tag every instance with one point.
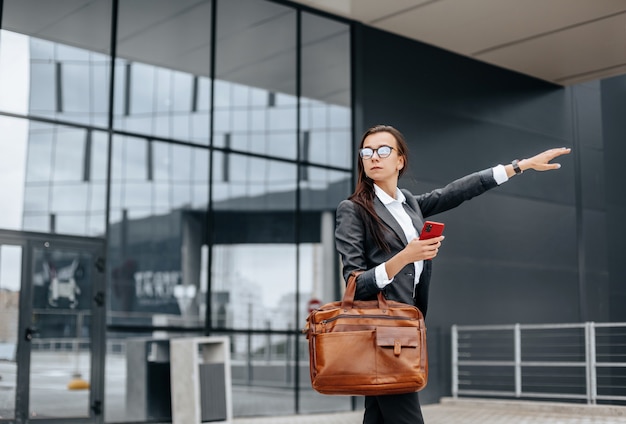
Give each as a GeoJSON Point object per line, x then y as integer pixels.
{"type": "Point", "coordinates": [96, 407]}
{"type": "Point", "coordinates": [30, 332]}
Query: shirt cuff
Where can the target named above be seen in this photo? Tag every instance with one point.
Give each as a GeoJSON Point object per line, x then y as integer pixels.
{"type": "Point", "coordinates": [499, 174]}
{"type": "Point", "coordinates": [382, 279]}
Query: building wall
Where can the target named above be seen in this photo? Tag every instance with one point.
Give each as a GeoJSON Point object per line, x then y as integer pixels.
{"type": "Point", "coordinates": [530, 251]}
{"type": "Point", "coordinates": [614, 127]}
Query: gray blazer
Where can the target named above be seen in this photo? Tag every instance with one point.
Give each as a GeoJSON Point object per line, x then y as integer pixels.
{"type": "Point", "coordinates": [359, 251]}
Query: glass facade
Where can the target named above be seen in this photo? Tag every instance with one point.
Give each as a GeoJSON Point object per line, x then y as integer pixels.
{"type": "Point", "coordinates": [208, 142]}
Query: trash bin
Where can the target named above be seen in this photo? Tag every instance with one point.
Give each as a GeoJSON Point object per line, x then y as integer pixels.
{"type": "Point", "coordinates": [148, 384]}
{"type": "Point", "coordinates": [212, 392]}
{"type": "Point", "coordinates": [201, 381]}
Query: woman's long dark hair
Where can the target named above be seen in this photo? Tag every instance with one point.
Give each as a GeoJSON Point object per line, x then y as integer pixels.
{"type": "Point", "coordinates": [364, 192]}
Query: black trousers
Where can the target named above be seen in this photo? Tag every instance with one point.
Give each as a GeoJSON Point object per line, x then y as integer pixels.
{"type": "Point", "coordinates": [393, 409]}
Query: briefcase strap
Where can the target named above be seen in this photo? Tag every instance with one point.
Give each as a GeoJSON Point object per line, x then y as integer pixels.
{"type": "Point", "coordinates": [348, 297]}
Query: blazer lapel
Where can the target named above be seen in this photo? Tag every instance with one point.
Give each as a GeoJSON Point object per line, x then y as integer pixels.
{"type": "Point", "coordinates": [388, 219]}
{"type": "Point", "coordinates": [416, 217]}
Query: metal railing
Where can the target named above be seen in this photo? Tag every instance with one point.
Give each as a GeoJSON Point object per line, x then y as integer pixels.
{"type": "Point", "coordinates": [581, 361]}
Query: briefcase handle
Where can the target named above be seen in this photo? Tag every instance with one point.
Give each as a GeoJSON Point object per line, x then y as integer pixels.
{"type": "Point", "coordinates": [348, 297]}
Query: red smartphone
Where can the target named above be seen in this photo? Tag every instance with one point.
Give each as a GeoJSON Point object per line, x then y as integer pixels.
{"type": "Point", "coordinates": [431, 229]}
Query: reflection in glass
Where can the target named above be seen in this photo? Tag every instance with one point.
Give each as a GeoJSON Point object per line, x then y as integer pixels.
{"type": "Point", "coordinates": [238, 178]}
{"type": "Point", "coordinates": [164, 91]}
{"type": "Point", "coordinates": [13, 148]}
{"type": "Point", "coordinates": [253, 231]}
{"type": "Point", "coordinates": [255, 87]}
{"type": "Point", "coordinates": [10, 287]}
{"type": "Point", "coordinates": [325, 104]}
{"type": "Point", "coordinates": [65, 180]}
{"type": "Point", "coordinates": [65, 79]}
{"type": "Point", "coordinates": [61, 345]}
{"type": "Point", "coordinates": [279, 166]}
{"type": "Point", "coordinates": [159, 199]}
{"type": "Point", "coordinates": [254, 286]}
{"type": "Point", "coordinates": [14, 65]}
{"type": "Point", "coordinates": [323, 189]}
{"type": "Point", "coordinates": [320, 193]}
{"type": "Point", "coordinates": [262, 365]}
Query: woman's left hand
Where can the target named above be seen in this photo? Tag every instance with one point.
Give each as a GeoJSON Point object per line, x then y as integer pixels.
{"type": "Point", "coordinates": [541, 162]}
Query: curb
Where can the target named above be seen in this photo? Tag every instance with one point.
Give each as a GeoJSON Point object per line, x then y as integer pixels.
{"type": "Point", "coordinates": [536, 406]}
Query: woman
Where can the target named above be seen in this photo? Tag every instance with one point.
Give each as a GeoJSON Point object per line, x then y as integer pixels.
{"type": "Point", "coordinates": [378, 228]}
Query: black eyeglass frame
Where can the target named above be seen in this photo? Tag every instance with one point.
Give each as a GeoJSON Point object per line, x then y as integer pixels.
{"type": "Point", "coordinates": [363, 151]}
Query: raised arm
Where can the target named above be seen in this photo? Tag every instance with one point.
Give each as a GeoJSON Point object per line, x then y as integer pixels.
{"type": "Point", "coordinates": [539, 162]}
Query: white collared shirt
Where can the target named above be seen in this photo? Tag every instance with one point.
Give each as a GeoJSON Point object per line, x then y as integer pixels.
{"type": "Point", "coordinates": [394, 206]}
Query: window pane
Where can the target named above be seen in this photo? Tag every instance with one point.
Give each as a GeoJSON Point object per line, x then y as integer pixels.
{"type": "Point", "coordinates": [320, 192]}
{"type": "Point", "coordinates": [13, 145]}
{"type": "Point", "coordinates": [254, 218]}
{"type": "Point", "coordinates": [255, 83]}
{"type": "Point", "coordinates": [54, 59]}
{"type": "Point", "coordinates": [69, 150]}
{"type": "Point", "coordinates": [325, 113]}
{"type": "Point", "coordinates": [164, 91]}
{"type": "Point", "coordinates": [252, 183]}
{"type": "Point", "coordinates": [50, 185]}
{"type": "Point", "coordinates": [157, 231]}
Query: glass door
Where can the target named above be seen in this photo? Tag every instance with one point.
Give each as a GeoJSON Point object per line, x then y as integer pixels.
{"type": "Point", "coordinates": [58, 363]}
{"type": "Point", "coordinates": [10, 285]}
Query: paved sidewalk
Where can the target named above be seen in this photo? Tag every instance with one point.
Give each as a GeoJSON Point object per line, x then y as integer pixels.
{"type": "Point", "coordinates": [477, 411]}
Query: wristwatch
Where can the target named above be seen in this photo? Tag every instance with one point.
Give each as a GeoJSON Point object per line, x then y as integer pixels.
{"type": "Point", "coordinates": [516, 167]}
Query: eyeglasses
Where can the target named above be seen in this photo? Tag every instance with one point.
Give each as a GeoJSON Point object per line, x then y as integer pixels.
{"type": "Point", "coordinates": [368, 152]}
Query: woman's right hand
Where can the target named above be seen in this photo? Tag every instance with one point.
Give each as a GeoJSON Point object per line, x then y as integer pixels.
{"type": "Point", "coordinates": [418, 250]}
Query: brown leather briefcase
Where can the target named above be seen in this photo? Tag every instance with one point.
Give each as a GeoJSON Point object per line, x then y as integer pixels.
{"type": "Point", "coordinates": [373, 347]}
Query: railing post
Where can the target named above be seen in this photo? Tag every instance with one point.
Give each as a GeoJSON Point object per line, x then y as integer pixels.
{"type": "Point", "coordinates": [590, 353]}
{"type": "Point", "coordinates": [517, 335]}
{"type": "Point", "coordinates": [455, 361]}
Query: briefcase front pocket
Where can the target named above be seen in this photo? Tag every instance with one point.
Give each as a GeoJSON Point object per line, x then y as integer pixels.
{"type": "Point", "coordinates": [345, 358]}
{"type": "Point", "coordinates": [399, 355]}
{"type": "Point", "coordinates": [397, 338]}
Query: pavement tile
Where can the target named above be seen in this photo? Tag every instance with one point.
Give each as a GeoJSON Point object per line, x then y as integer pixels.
{"type": "Point", "coordinates": [477, 411]}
